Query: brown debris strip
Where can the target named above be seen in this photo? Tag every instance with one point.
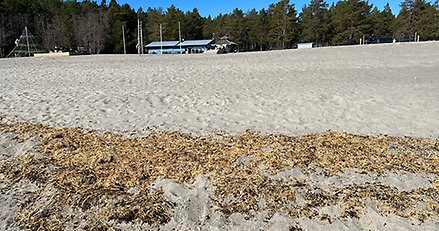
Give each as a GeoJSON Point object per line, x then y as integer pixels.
{"type": "Point", "coordinates": [108, 176]}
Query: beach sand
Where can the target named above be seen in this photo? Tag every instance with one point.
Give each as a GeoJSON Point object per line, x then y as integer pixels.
{"type": "Point", "coordinates": [390, 89]}
{"type": "Point", "coordinates": [338, 181]}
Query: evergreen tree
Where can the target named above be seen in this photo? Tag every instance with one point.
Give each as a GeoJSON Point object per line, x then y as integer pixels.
{"type": "Point", "coordinates": [207, 28]}
{"type": "Point", "coordinates": [383, 22]}
{"type": "Point", "coordinates": [193, 25]}
{"type": "Point", "coordinates": [232, 26]}
{"type": "Point", "coordinates": [218, 27]}
{"type": "Point", "coordinates": [235, 28]}
{"type": "Point", "coordinates": [418, 16]}
{"type": "Point", "coordinates": [254, 29]}
{"type": "Point", "coordinates": [152, 25]}
{"type": "Point", "coordinates": [436, 22]}
{"type": "Point", "coordinates": [283, 24]}
{"type": "Point", "coordinates": [170, 23]}
{"type": "Point", "coordinates": [119, 16]}
{"type": "Point", "coordinates": [351, 21]}
{"type": "Point", "coordinates": [262, 24]}
{"type": "Point", "coordinates": [68, 10]}
{"type": "Point", "coordinates": [315, 23]}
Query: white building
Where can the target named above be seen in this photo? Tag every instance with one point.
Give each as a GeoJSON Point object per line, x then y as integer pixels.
{"type": "Point", "coordinates": [304, 45]}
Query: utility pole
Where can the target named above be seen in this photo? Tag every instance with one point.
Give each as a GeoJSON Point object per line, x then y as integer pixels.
{"type": "Point", "coordinates": [123, 38]}
{"type": "Point", "coordinates": [179, 35]}
{"type": "Point", "coordinates": [141, 37]}
{"type": "Point", "coordinates": [27, 41]}
{"type": "Point", "coordinates": [161, 40]}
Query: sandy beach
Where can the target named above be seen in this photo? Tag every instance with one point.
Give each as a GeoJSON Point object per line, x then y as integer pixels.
{"type": "Point", "coordinates": [390, 89]}
{"type": "Point", "coordinates": [338, 138]}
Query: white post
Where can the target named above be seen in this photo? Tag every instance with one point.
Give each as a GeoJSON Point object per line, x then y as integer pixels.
{"type": "Point", "coordinates": [416, 36]}
{"type": "Point", "coordinates": [139, 42]}
{"type": "Point", "coordinates": [179, 35]}
{"type": "Point", "coordinates": [161, 40]}
{"type": "Point", "coordinates": [419, 37]}
{"type": "Point", "coordinates": [27, 41]}
{"type": "Point", "coordinates": [141, 37]}
{"type": "Point", "coordinates": [123, 38]}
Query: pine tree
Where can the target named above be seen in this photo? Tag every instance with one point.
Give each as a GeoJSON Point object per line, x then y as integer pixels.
{"type": "Point", "coordinates": [207, 27]}
{"type": "Point", "coordinates": [283, 24]}
{"type": "Point", "coordinates": [193, 25]}
{"type": "Point", "coordinates": [315, 24]}
{"type": "Point", "coordinates": [418, 16]}
{"type": "Point", "coordinates": [262, 24]}
{"type": "Point", "coordinates": [68, 10]}
{"type": "Point", "coordinates": [436, 22]}
{"type": "Point", "coordinates": [383, 22]}
{"type": "Point", "coordinates": [170, 23]}
{"type": "Point", "coordinates": [351, 21]}
{"type": "Point", "coordinates": [253, 26]}
{"type": "Point", "coordinates": [152, 24]}
{"type": "Point", "coordinates": [119, 16]}
{"type": "Point", "coordinates": [234, 27]}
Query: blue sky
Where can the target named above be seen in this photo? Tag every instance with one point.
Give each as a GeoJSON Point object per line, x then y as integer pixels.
{"type": "Point", "coordinates": [214, 7]}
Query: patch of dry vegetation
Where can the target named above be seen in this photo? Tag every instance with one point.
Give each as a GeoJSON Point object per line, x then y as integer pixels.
{"type": "Point", "coordinates": [108, 176]}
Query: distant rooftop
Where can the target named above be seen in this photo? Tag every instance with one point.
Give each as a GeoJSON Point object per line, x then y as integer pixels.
{"type": "Point", "coordinates": [196, 42]}
{"type": "Point", "coordinates": [183, 43]}
{"type": "Point", "coordinates": [225, 41]}
{"type": "Point", "coordinates": [164, 43]}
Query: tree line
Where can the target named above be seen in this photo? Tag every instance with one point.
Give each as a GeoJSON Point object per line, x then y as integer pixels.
{"type": "Point", "coordinates": [97, 28]}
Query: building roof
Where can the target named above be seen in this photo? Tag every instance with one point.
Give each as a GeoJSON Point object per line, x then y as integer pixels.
{"type": "Point", "coordinates": [164, 43]}
{"type": "Point", "coordinates": [184, 43]}
{"type": "Point", "coordinates": [225, 41]}
{"type": "Point", "coordinates": [196, 42]}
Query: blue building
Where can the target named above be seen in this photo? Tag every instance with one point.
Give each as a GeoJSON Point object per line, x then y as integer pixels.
{"type": "Point", "coordinates": [167, 47]}
{"type": "Point", "coordinates": [173, 47]}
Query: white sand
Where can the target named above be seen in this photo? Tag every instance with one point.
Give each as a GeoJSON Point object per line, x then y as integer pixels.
{"type": "Point", "coordinates": [391, 89]}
